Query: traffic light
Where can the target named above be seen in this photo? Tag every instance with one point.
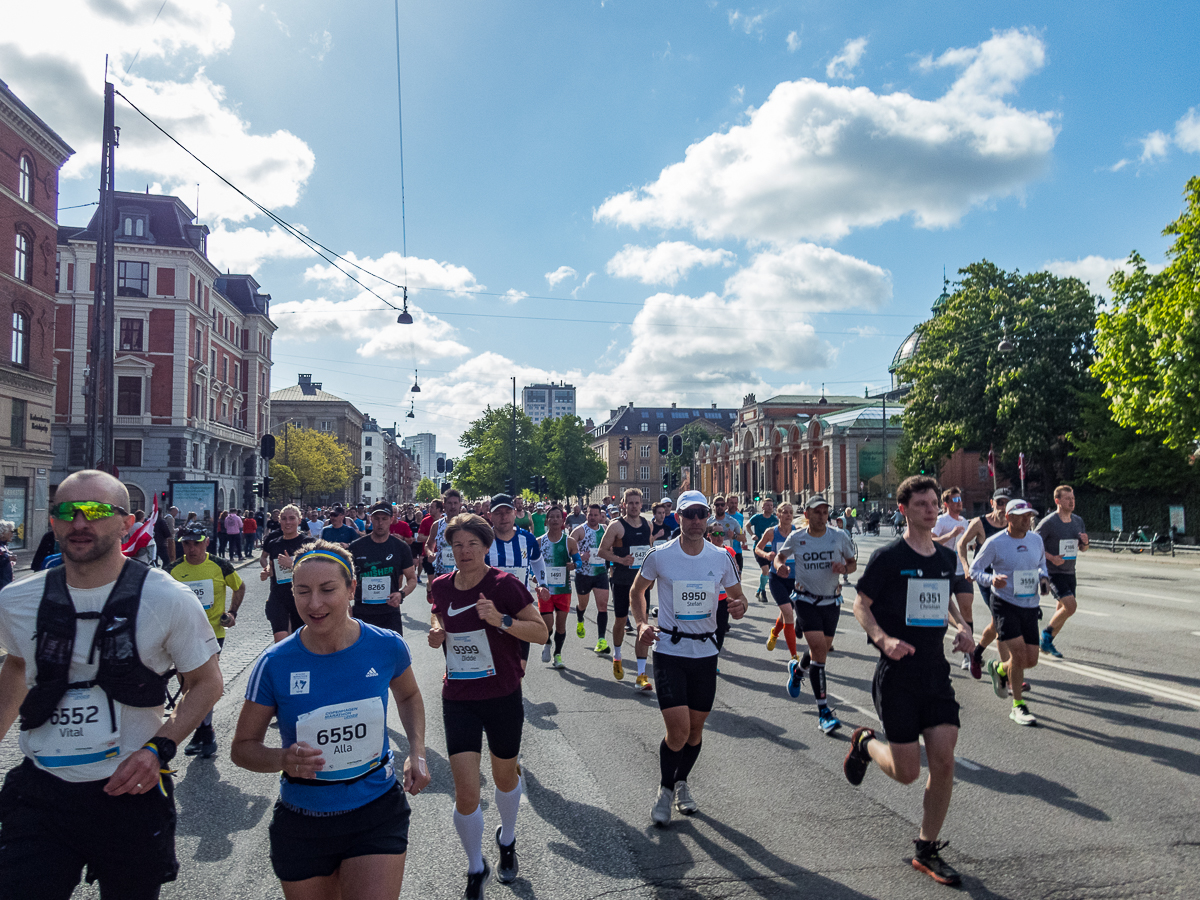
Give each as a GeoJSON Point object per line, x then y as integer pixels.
{"type": "Point", "coordinates": [441, 464]}
{"type": "Point", "coordinates": [162, 500]}
{"type": "Point", "coordinates": [266, 447]}
{"type": "Point", "coordinates": [266, 489]}
{"type": "Point", "coordinates": [445, 486]}
{"type": "Point", "coordinates": [666, 481]}
{"type": "Point", "coordinates": [533, 483]}
{"type": "Point", "coordinates": [662, 445]}
{"type": "Point", "coordinates": [543, 485]}
{"type": "Point", "coordinates": [674, 480]}
{"type": "Point", "coordinates": [677, 445]}
{"type": "Point", "coordinates": [862, 496]}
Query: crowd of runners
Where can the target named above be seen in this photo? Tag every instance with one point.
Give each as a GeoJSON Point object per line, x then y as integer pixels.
{"type": "Point", "coordinates": [88, 675]}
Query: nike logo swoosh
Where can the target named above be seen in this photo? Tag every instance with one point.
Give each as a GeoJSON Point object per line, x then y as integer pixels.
{"type": "Point", "coordinates": [454, 612]}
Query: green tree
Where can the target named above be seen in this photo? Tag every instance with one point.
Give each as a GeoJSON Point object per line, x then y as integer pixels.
{"type": "Point", "coordinates": [426, 490]}
{"type": "Point", "coordinates": [1117, 458]}
{"type": "Point", "coordinates": [319, 463]}
{"type": "Point", "coordinates": [968, 394]}
{"type": "Point", "coordinates": [1148, 341]}
{"type": "Point", "coordinates": [694, 435]}
{"type": "Point", "coordinates": [488, 444]}
{"type": "Point", "coordinates": [570, 465]}
{"type": "Point", "coordinates": [284, 484]}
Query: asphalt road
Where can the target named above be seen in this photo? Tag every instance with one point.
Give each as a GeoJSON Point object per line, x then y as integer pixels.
{"type": "Point", "coordinates": [1098, 801]}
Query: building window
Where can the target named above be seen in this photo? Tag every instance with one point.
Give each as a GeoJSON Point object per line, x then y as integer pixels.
{"type": "Point", "coordinates": [644, 451]}
{"type": "Point", "coordinates": [366, 470]}
{"type": "Point", "coordinates": [644, 473]}
{"type": "Point", "coordinates": [326, 426]}
{"type": "Point", "coordinates": [133, 279]}
{"type": "Point", "coordinates": [16, 432]}
{"type": "Point", "coordinates": [662, 426]}
{"type": "Point", "coordinates": [131, 334]}
{"type": "Point", "coordinates": [645, 426]}
{"type": "Point", "coordinates": [127, 453]}
{"type": "Point", "coordinates": [367, 441]}
{"type": "Point", "coordinates": [623, 473]}
{"type": "Point", "coordinates": [367, 453]}
{"type": "Point", "coordinates": [25, 179]}
{"type": "Point", "coordinates": [129, 396]}
{"type": "Point", "coordinates": [20, 339]}
{"type": "Point", "coordinates": [367, 486]}
{"type": "Point", "coordinates": [21, 267]}
{"type": "Point", "coordinates": [199, 344]}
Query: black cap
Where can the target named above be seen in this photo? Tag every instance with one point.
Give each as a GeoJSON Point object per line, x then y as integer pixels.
{"type": "Point", "coordinates": [1002, 494]}
{"type": "Point", "coordinates": [501, 500]}
{"type": "Point", "coordinates": [337, 511]}
{"type": "Point", "coordinates": [381, 506]}
{"type": "Point", "coordinates": [193, 532]}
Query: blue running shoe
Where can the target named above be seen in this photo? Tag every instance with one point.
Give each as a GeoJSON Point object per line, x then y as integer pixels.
{"type": "Point", "coordinates": [794, 677]}
{"type": "Point", "coordinates": [1048, 645]}
{"type": "Point", "coordinates": [827, 721]}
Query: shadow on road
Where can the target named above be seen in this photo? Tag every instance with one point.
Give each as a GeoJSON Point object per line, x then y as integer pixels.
{"type": "Point", "coordinates": [1032, 785]}
{"type": "Point", "coordinates": [213, 810]}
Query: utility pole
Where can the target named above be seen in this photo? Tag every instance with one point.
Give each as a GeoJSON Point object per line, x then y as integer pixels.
{"type": "Point", "coordinates": [513, 458]}
{"type": "Point", "coordinates": [101, 400]}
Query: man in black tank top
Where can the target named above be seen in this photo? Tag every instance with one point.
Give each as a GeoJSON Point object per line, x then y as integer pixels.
{"type": "Point", "coordinates": [626, 543]}
{"type": "Point", "coordinates": [977, 532]}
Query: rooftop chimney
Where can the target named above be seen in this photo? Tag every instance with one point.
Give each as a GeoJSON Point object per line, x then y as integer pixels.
{"type": "Point", "coordinates": [672, 406]}
{"type": "Point", "coordinates": [714, 406]}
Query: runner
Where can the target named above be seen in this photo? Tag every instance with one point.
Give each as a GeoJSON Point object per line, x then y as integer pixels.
{"type": "Point", "coordinates": [523, 519]}
{"type": "Point", "coordinates": [436, 548]}
{"type": "Point", "coordinates": [481, 614]}
{"type": "Point", "coordinates": [904, 604]}
{"type": "Point", "coordinates": [1017, 559]}
{"type": "Point", "coordinates": [977, 532]}
{"type": "Point", "coordinates": [626, 543]}
{"type": "Point", "coordinates": [659, 533]}
{"type": "Point", "coordinates": [1065, 538]}
{"type": "Point", "coordinates": [96, 794]}
{"type": "Point", "coordinates": [380, 559]}
{"type": "Point", "coordinates": [760, 524]}
{"type": "Point", "coordinates": [950, 528]}
{"type": "Point", "coordinates": [340, 828]}
{"type": "Point", "coordinates": [669, 521]}
{"type": "Point", "coordinates": [426, 526]}
{"type": "Point", "coordinates": [210, 578]}
{"type": "Point", "coordinates": [690, 573]}
{"type": "Point", "coordinates": [516, 552]}
{"type": "Point", "coordinates": [731, 503]}
{"type": "Point", "coordinates": [781, 586]}
{"type": "Point", "coordinates": [576, 518]}
{"type": "Point", "coordinates": [278, 553]}
{"type": "Point", "coordinates": [821, 554]}
{"type": "Point", "coordinates": [561, 554]}
{"type": "Point", "coordinates": [339, 530]}
{"type": "Point", "coordinates": [592, 576]}
{"type": "Point", "coordinates": [715, 535]}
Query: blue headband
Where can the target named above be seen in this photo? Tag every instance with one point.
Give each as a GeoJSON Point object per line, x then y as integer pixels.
{"type": "Point", "coordinates": [323, 554]}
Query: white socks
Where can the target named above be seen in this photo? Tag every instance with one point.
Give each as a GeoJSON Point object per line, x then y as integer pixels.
{"type": "Point", "coordinates": [470, 832]}
{"type": "Point", "coordinates": [507, 804]}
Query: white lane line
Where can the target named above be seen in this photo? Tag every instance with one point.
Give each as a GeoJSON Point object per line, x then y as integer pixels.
{"type": "Point", "coordinates": [1135, 595]}
{"type": "Point", "coordinates": [842, 701]}
{"type": "Point", "coordinates": [1142, 685]}
{"type": "Point", "coordinates": [1197, 633]}
{"type": "Point", "coordinates": [1084, 612]}
{"type": "Point", "coordinates": [967, 764]}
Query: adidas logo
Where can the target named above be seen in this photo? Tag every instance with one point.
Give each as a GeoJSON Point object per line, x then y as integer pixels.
{"type": "Point", "coordinates": [372, 673]}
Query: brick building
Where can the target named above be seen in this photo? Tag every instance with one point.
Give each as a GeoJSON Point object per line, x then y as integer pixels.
{"type": "Point", "coordinates": [31, 155]}
{"type": "Point", "coordinates": [305, 405]}
{"type": "Point", "coordinates": [193, 355]}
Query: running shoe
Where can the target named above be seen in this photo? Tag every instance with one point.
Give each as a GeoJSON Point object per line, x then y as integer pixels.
{"type": "Point", "coordinates": [928, 860]}
{"type": "Point", "coordinates": [771, 639]}
{"type": "Point", "coordinates": [209, 749]}
{"type": "Point", "coordinates": [642, 682]}
{"type": "Point", "coordinates": [547, 651]}
{"type": "Point", "coordinates": [795, 676]}
{"type": "Point", "coordinates": [476, 882]}
{"type": "Point", "coordinates": [1048, 645]}
{"type": "Point", "coordinates": [683, 799]}
{"type": "Point", "coordinates": [966, 663]}
{"type": "Point", "coordinates": [194, 745]}
{"type": "Point", "coordinates": [558, 661]}
{"type": "Point", "coordinates": [999, 682]}
{"type": "Point", "coordinates": [827, 721]}
{"type": "Point", "coordinates": [581, 630]}
{"type": "Point", "coordinates": [661, 813]}
{"type": "Point", "coordinates": [507, 868]}
{"type": "Point", "coordinates": [601, 646]}
{"type": "Point", "coordinates": [977, 663]}
{"type": "Point", "coordinates": [1021, 715]}
{"type": "Point", "coordinates": [761, 595]}
{"type": "Point", "coordinates": [618, 670]}
{"type": "Point", "coordinates": [857, 758]}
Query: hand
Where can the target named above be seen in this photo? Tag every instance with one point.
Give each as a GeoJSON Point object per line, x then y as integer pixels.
{"type": "Point", "coordinates": [958, 529]}
{"type": "Point", "coordinates": [894, 648]}
{"type": "Point", "coordinates": [137, 774]}
{"type": "Point", "coordinates": [999, 581]}
{"type": "Point", "coordinates": [647, 634]}
{"type": "Point", "coordinates": [543, 594]}
{"type": "Point", "coordinates": [838, 568]}
{"type": "Point", "coordinates": [437, 636]}
{"type": "Point", "coordinates": [416, 774]}
{"type": "Point", "coordinates": [228, 619]}
{"type": "Point", "coordinates": [783, 571]}
{"type": "Point", "coordinates": [1083, 540]}
{"type": "Point", "coordinates": [487, 611]}
{"type": "Point", "coordinates": [963, 642]}
{"type": "Point", "coordinates": [285, 561]}
{"type": "Point", "coordinates": [737, 608]}
{"type": "Point", "coordinates": [264, 575]}
{"type": "Point", "coordinates": [624, 560]}
{"type": "Point", "coordinates": [1056, 560]}
{"type": "Point", "coordinates": [302, 761]}
{"type": "Point", "coordinates": [395, 598]}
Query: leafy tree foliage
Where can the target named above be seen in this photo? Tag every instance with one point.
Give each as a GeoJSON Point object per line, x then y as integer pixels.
{"type": "Point", "coordinates": [426, 490]}
{"type": "Point", "coordinates": [967, 394]}
{"type": "Point", "coordinates": [320, 465]}
{"type": "Point", "coordinates": [488, 445]}
{"type": "Point", "coordinates": [571, 466]}
{"type": "Point", "coordinates": [284, 484]}
{"type": "Point", "coordinates": [1116, 458]}
{"type": "Point", "coordinates": [1148, 341]}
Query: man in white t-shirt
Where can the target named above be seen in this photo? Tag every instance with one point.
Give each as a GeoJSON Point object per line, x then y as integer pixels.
{"type": "Point", "coordinates": [950, 527]}
{"type": "Point", "coordinates": [91, 789]}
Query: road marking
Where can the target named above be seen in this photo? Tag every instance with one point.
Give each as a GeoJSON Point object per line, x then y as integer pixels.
{"type": "Point", "coordinates": [1197, 633]}
{"type": "Point", "coordinates": [1142, 685]}
{"type": "Point", "coordinates": [842, 701]}
{"type": "Point", "coordinates": [1138, 596]}
{"type": "Point", "coordinates": [967, 764]}
{"type": "Point", "coordinates": [1084, 612]}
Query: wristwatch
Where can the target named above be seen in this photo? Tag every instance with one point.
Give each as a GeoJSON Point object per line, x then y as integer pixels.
{"type": "Point", "coordinates": [165, 749]}
{"type": "Point", "coordinates": [506, 623]}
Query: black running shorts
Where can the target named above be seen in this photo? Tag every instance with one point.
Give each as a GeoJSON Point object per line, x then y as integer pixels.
{"type": "Point", "coordinates": [304, 846]}
{"type": "Point", "coordinates": [381, 615]}
{"type": "Point", "coordinates": [281, 613]}
{"type": "Point", "coordinates": [587, 583]}
{"type": "Point", "coordinates": [1064, 583]}
{"type": "Point", "coordinates": [781, 588]}
{"type": "Point", "coordinates": [620, 600]}
{"type": "Point", "coordinates": [911, 698]}
{"type": "Point", "coordinates": [685, 681]}
{"type": "Point", "coordinates": [817, 618]}
{"type": "Point", "coordinates": [501, 718]}
{"type": "Point", "coordinates": [1014, 621]}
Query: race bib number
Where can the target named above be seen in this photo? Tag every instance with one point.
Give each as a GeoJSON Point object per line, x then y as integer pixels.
{"type": "Point", "coordinates": [446, 557]}
{"type": "Point", "coordinates": [349, 736]}
{"type": "Point", "coordinates": [376, 588]}
{"type": "Point", "coordinates": [468, 655]}
{"type": "Point", "coordinates": [928, 602]}
{"type": "Point", "coordinates": [203, 591]}
{"type": "Point", "coordinates": [694, 600]}
{"type": "Point", "coordinates": [521, 573]}
{"type": "Point", "coordinates": [282, 575]}
{"type": "Point", "coordinates": [79, 731]}
{"type": "Point", "coordinates": [639, 555]}
{"type": "Point", "coordinates": [556, 576]}
{"type": "Point", "coordinates": [1068, 548]}
{"type": "Point", "coordinates": [592, 558]}
{"type": "Point", "coordinates": [1025, 583]}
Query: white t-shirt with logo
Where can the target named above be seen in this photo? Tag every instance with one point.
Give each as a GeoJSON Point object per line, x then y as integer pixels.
{"type": "Point", "coordinates": [682, 584]}
{"type": "Point", "coordinates": [945, 524]}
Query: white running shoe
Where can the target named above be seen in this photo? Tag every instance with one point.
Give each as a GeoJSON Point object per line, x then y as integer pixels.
{"type": "Point", "coordinates": [683, 799]}
{"type": "Point", "coordinates": [1021, 715]}
{"type": "Point", "coordinates": [547, 652]}
{"type": "Point", "coordinates": [661, 813]}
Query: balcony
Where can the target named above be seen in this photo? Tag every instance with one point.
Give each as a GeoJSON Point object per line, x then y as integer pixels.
{"type": "Point", "coordinates": [223, 432]}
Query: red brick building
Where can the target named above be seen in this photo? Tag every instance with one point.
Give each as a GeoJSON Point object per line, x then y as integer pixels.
{"type": "Point", "coordinates": [31, 155]}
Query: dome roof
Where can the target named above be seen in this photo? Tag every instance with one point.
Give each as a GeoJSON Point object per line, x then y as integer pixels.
{"type": "Point", "coordinates": [907, 350]}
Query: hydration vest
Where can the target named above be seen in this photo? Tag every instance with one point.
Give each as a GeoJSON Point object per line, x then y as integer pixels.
{"type": "Point", "coordinates": [121, 674]}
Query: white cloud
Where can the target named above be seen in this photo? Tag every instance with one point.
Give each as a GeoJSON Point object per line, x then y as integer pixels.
{"type": "Point", "coordinates": [816, 161]}
{"type": "Point", "coordinates": [375, 331]}
{"type": "Point", "coordinates": [807, 278]}
{"type": "Point", "coordinates": [322, 43]}
{"type": "Point", "coordinates": [512, 295]}
{"type": "Point", "coordinates": [562, 273]}
{"type": "Point", "coordinates": [793, 41]}
{"type": "Point", "coordinates": [746, 23]}
{"type": "Point", "coordinates": [665, 263]}
{"type": "Point", "coordinates": [1187, 132]}
{"type": "Point", "coordinates": [583, 284]}
{"type": "Point", "coordinates": [246, 249]}
{"type": "Point", "coordinates": [1118, 165]}
{"type": "Point", "coordinates": [1155, 146]}
{"type": "Point", "coordinates": [844, 63]}
{"type": "Point", "coordinates": [416, 273]}
{"type": "Point", "coordinates": [1094, 271]}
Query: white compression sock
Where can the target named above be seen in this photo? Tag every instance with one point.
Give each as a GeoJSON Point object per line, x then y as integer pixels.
{"type": "Point", "coordinates": [641, 666]}
{"type": "Point", "coordinates": [508, 804]}
{"type": "Point", "coordinates": [470, 832]}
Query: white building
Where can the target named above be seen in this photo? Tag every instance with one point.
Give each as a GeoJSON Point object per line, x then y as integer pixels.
{"type": "Point", "coordinates": [424, 450]}
{"type": "Point", "coordinates": [548, 401]}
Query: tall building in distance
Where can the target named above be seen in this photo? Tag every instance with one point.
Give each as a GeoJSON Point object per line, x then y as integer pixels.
{"type": "Point", "coordinates": [423, 448]}
{"type": "Point", "coordinates": [306, 405]}
{"type": "Point", "coordinates": [548, 401]}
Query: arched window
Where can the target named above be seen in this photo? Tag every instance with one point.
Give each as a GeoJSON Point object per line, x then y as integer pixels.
{"type": "Point", "coordinates": [21, 262]}
{"type": "Point", "coordinates": [25, 179]}
{"type": "Point", "coordinates": [20, 339]}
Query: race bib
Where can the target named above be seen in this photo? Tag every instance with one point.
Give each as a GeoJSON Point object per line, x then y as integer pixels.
{"type": "Point", "coordinates": [468, 655]}
{"type": "Point", "coordinates": [282, 575]}
{"type": "Point", "coordinates": [639, 555]}
{"type": "Point", "coordinates": [203, 591]}
{"type": "Point", "coordinates": [446, 557]}
{"type": "Point", "coordinates": [556, 576]}
{"type": "Point", "coordinates": [376, 588]}
{"type": "Point", "coordinates": [1068, 548]}
{"type": "Point", "coordinates": [349, 736]}
{"type": "Point", "coordinates": [928, 602]}
{"type": "Point", "coordinates": [521, 573]}
{"type": "Point", "coordinates": [1025, 583]}
{"type": "Point", "coordinates": [694, 600]}
{"type": "Point", "coordinates": [79, 731]}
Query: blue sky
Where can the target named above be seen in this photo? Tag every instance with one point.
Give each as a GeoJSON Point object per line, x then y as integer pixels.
{"type": "Point", "coordinates": [654, 201]}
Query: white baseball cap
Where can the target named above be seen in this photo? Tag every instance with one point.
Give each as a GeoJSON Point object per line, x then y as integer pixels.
{"type": "Point", "coordinates": [1018, 507]}
{"type": "Point", "coordinates": [691, 498]}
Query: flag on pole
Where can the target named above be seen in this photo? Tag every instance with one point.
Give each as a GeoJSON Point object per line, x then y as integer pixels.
{"type": "Point", "coordinates": [1021, 465]}
{"type": "Point", "coordinates": [141, 535]}
{"type": "Point", "coordinates": [992, 462]}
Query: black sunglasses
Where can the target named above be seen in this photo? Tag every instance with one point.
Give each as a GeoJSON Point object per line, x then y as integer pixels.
{"type": "Point", "coordinates": [693, 512]}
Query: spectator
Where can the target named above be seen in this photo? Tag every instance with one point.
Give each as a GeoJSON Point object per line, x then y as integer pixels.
{"type": "Point", "coordinates": [249, 533]}
{"type": "Point", "coordinates": [6, 558]}
{"type": "Point", "coordinates": [233, 534]}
